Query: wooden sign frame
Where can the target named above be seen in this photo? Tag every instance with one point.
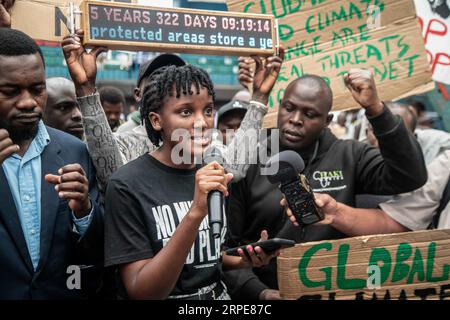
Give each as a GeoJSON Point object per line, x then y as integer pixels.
{"type": "Point", "coordinates": [174, 47]}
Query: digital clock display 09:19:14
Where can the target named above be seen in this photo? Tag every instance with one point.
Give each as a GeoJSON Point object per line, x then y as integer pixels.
{"type": "Point", "coordinates": [245, 24]}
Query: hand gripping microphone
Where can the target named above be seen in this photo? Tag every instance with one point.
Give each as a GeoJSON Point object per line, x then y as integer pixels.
{"type": "Point", "coordinates": [215, 197]}
{"type": "Point", "coordinates": [294, 186]}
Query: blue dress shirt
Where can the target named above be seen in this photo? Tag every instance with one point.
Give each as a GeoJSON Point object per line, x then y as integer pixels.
{"type": "Point", "coordinates": [24, 178]}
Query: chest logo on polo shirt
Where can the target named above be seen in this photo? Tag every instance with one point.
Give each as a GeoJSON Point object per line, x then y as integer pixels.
{"type": "Point", "coordinates": [329, 180]}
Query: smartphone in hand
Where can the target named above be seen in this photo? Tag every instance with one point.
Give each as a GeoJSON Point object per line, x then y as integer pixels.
{"type": "Point", "coordinates": [269, 246]}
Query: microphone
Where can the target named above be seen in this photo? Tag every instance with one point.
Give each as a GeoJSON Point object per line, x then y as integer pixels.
{"type": "Point", "coordinates": [294, 186]}
{"type": "Point", "coordinates": [289, 163]}
{"type": "Point", "coordinates": [215, 197]}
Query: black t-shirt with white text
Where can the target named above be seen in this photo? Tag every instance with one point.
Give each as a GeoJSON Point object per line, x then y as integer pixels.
{"type": "Point", "coordinates": [145, 202]}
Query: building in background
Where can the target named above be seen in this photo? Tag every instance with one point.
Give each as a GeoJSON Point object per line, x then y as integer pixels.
{"type": "Point", "coordinates": [120, 68]}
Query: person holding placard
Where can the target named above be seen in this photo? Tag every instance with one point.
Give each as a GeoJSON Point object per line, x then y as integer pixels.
{"type": "Point", "coordinates": [342, 168]}
{"type": "Point", "coordinates": [156, 227]}
{"type": "Point", "coordinates": [154, 254]}
{"type": "Point", "coordinates": [110, 151]}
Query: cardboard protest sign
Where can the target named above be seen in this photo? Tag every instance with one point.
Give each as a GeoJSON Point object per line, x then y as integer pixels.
{"type": "Point", "coordinates": [434, 18]}
{"type": "Point", "coordinates": [136, 27]}
{"type": "Point", "coordinates": [328, 37]}
{"type": "Point", "coordinates": [410, 265]}
{"type": "Point", "coordinates": [44, 19]}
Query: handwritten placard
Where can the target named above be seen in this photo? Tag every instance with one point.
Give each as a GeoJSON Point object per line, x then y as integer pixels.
{"type": "Point", "coordinates": [134, 27]}
{"type": "Point", "coordinates": [46, 20]}
{"type": "Point", "coordinates": [328, 37]}
{"type": "Point", "coordinates": [410, 265]}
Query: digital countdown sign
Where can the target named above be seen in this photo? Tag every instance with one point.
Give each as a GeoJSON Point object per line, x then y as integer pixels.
{"type": "Point", "coordinates": [135, 27]}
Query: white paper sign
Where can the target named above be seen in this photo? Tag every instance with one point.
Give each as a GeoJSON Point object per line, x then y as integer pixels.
{"type": "Point", "coordinates": [434, 17]}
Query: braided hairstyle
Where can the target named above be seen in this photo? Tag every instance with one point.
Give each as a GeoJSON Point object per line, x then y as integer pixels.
{"type": "Point", "coordinates": [164, 82]}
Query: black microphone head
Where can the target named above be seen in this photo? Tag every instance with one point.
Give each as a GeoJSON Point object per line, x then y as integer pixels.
{"type": "Point", "coordinates": [215, 197]}
{"type": "Point", "coordinates": [213, 153]}
{"type": "Point", "coordinates": [290, 164]}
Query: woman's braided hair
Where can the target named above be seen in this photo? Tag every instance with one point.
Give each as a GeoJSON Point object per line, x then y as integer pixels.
{"type": "Point", "coordinates": [162, 83]}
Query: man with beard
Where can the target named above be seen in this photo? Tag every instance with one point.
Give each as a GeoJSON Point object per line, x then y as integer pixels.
{"type": "Point", "coordinates": [50, 219]}
{"type": "Point", "coordinates": [62, 111]}
{"type": "Point", "coordinates": [342, 168]}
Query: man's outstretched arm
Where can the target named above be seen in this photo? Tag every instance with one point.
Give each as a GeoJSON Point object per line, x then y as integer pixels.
{"type": "Point", "coordinates": [352, 221]}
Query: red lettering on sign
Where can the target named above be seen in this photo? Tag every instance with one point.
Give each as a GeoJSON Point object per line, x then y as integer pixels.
{"type": "Point", "coordinates": [434, 27]}
{"type": "Point", "coordinates": [442, 59]}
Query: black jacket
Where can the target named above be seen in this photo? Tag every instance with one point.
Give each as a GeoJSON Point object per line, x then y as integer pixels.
{"type": "Point", "coordinates": [341, 168]}
{"type": "Point", "coordinates": [60, 246]}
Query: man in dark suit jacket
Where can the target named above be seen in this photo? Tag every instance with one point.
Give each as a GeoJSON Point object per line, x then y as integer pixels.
{"type": "Point", "coordinates": [51, 220]}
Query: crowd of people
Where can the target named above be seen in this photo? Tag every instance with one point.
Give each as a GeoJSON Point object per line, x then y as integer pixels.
{"type": "Point", "coordinates": [128, 204]}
